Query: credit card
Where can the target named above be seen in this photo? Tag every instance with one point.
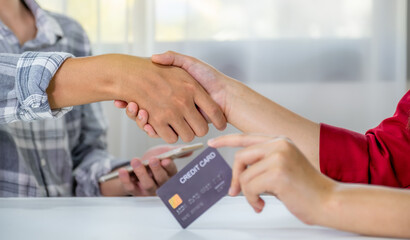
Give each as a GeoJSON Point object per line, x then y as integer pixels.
{"type": "Point", "coordinates": [198, 186]}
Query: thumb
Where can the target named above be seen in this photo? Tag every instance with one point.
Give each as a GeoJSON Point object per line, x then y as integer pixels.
{"type": "Point", "coordinates": [171, 58]}
{"type": "Point", "coordinates": [166, 58]}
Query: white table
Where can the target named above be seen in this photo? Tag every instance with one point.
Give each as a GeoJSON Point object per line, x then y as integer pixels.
{"type": "Point", "coordinates": [148, 218]}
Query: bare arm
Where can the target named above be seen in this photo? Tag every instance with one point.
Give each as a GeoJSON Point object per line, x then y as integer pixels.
{"type": "Point", "coordinates": [276, 166]}
{"type": "Point", "coordinates": [169, 93]}
{"type": "Point", "coordinates": [83, 80]}
{"type": "Point", "coordinates": [247, 110]}
{"type": "Point", "coordinates": [251, 112]}
{"type": "Point", "coordinates": [370, 210]}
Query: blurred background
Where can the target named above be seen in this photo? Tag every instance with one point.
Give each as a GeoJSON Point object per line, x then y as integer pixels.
{"type": "Point", "coordinates": [342, 62]}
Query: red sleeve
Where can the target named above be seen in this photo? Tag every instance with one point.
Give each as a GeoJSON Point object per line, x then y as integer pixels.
{"type": "Point", "coordinates": [381, 156]}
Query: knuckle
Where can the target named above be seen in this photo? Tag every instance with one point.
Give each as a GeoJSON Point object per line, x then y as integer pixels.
{"type": "Point", "coordinates": [157, 120]}
{"type": "Point", "coordinates": [150, 187]}
{"type": "Point", "coordinates": [243, 179]}
{"type": "Point", "coordinates": [280, 158]}
{"type": "Point", "coordinates": [167, 113]}
{"type": "Point", "coordinates": [189, 86]}
{"type": "Point", "coordinates": [239, 156]}
{"type": "Point", "coordinates": [164, 118]}
{"type": "Point", "coordinates": [284, 144]}
{"type": "Point", "coordinates": [181, 101]}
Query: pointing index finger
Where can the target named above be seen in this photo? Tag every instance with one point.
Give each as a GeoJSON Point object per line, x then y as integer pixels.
{"type": "Point", "coordinates": [237, 140]}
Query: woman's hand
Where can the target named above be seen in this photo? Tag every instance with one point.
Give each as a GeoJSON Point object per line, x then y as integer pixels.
{"type": "Point", "coordinates": [244, 108]}
{"type": "Point", "coordinates": [274, 165]}
{"type": "Point", "coordinates": [140, 116]}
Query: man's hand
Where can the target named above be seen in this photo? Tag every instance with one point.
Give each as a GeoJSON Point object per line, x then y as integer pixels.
{"type": "Point", "coordinates": [214, 82]}
{"type": "Point", "coordinates": [172, 97]}
{"type": "Point", "coordinates": [274, 165]}
{"type": "Point", "coordinates": [170, 94]}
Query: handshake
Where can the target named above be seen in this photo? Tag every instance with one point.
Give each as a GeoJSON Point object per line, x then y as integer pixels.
{"type": "Point", "coordinates": [197, 97]}
{"type": "Point", "coordinates": [181, 94]}
{"type": "Point", "coordinates": [172, 95]}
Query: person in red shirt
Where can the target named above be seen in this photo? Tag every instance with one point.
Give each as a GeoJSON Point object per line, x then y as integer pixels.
{"type": "Point", "coordinates": [381, 156]}
{"type": "Point", "coordinates": [289, 167]}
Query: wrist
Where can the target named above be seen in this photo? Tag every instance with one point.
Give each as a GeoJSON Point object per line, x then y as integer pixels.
{"type": "Point", "coordinates": [112, 76]}
{"type": "Point", "coordinates": [128, 76]}
{"type": "Point", "coordinates": [112, 188]}
{"type": "Point", "coordinates": [81, 81]}
{"type": "Point", "coordinates": [328, 204]}
{"type": "Point", "coordinates": [235, 92]}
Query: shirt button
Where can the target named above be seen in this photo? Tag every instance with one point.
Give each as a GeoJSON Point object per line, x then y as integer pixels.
{"type": "Point", "coordinates": [43, 162]}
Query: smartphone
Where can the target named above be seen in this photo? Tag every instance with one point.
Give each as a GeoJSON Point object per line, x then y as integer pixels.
{"type": "Point", "coordinates": [174, 153]}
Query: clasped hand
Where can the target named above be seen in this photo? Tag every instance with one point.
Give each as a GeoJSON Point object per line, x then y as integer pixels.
{"type": "Point", "coordinates": [174, 100]}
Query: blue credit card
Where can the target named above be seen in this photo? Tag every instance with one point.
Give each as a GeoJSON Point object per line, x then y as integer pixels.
{"type": "Point", "coordinates": [198, 186]}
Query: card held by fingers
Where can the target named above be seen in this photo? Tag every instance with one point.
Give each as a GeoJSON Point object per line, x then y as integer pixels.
{"type": "Point", "coordinates": [198, 186]}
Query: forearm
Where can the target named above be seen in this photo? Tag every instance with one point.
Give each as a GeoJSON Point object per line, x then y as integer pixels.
{"type": "Point", "coordinates": [369, 210]}
{"type": "Point", "coordinates": [24, 79]}
{"type": "Point", "coordinates": [84, 80]}
{"type": "Point", "coordinates": [251, 112]}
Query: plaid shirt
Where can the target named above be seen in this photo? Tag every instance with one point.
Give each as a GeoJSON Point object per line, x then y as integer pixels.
{"type": "Point", "coordinates": [46, 152]}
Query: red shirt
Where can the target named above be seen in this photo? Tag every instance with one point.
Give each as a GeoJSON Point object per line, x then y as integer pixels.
{"type": "Point", "coordinates": [381, 156]}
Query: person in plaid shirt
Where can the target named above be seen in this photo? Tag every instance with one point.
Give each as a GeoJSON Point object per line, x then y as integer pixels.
{"type": "Point", "coordinates": [49, 148]}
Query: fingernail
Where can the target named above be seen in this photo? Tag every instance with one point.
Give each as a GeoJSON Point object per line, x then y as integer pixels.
{"type": "Point", "coordinates": [130, 110]}
{"type": "Point", "coordinates": [135, 164]}
{"type": "Point", "coordinates": [139, 116]}
{"type": "Point", "coordinates": [210, 141]}
{"type": "Point", "coordinates": [146, 131]}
